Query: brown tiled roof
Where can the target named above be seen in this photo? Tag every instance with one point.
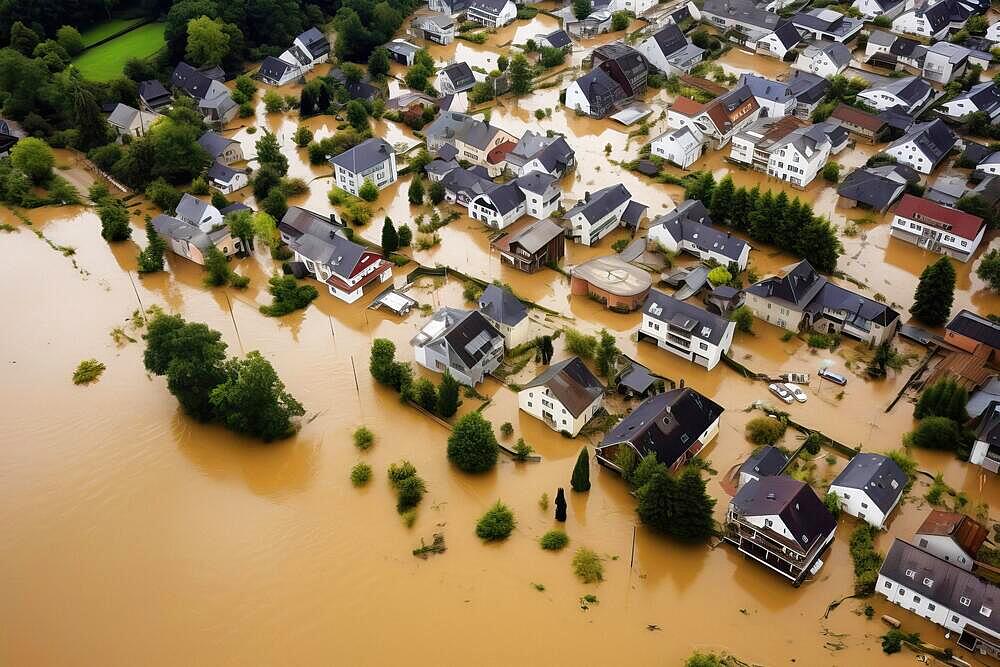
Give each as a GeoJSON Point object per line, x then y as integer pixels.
{"type": "Point", "coordinates": [967, 533]}
{"type": "Point", "coordinates": [858, 117]}
{"type": "Point", "coordinates": [687, 106]}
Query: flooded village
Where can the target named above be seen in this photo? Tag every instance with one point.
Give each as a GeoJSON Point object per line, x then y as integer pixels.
{"type": "Point", "coordinates": [670, 253]}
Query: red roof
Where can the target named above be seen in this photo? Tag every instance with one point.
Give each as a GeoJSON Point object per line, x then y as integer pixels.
{"type": "Point", "coordinates": [858, 118]}
{"type": "Point", "coordinates": [687, 106]}
{"type": "Point", "coordinates": [339, 283]}
{"type": "Point", "coordinates": [499, 153]}
{"type": "Point", "coordinates": [957, 222]}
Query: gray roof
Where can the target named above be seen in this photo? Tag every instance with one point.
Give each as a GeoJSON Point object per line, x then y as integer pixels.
{"type": "Point", "coordinates": [599, 204]}
{"type": "Point", "coordinates": [839, 54]}
{"type": "Point", "coordinates": [874, 474]}
{"type": "Point", "coordinates": [537, 235]}
{"type": "Point", "coordinates": [558, 39]}
{"type": "Point", "coordinates": [471, 337]}
{"type": "Point", "coordinates": [537, 182]}
{"type": "Point", "coordinates": [773, 91]}
{"type": "Point", "coordinates": [223, 174]}
{"type": "Point", "coordinates": [695, 321]}
{"type": "Point", "coordinates": [490, 6]}
{"type": "Point", "coordinates": [369, 153]}
{"type": "Point", "coordinates": [878, 187]}
{"type": "Point", "coordinates": [669, 39]}
{"type": "Point", "coordinates": [798, 287]}
{"type": "Point", "coordinates": [154, 93]}
{"type": "Point", "coordinates": [743, 11]}
{"type": "Point", "coordinates": [597, 83]}
{"type": "Point", "coordinates": [633, 214]}
{"type": "Point", "coordinates": [190, 80]}
{"type": "Point", "coordinates": [802, 512]}
{"type": "Point", "coordinates": [170, 227]}
{"type": "Point", "coordinates": [976, 327]}
{"type": "Point", "coordinates": [934, 139]}
{"type": "Point", "coordinates": [572, 383]}
{"type": "Point", "coordinates": [828, 21]}
{"type": "Point", "coordinates": [881, 38]}
{"type": "Point", "coordinates": [806, 87]}
{"type": "Point", "coordinates": [766, 462]}
{"type": "Point", "coordinates": [989, 427]}
{"type": "Point", "coordinates": [986, 96]}
{"type": "Point", "coordinates": [214, 143]}
{"type": "Point", "coordinates": [454, 125]}
{"type": "Point", "coordinates": [298, 221]}
{"type": "Point", "coordinates": [122, 116]}
{"type": "Point", "coordinates": [460, 75]}
{"type": "Point", "coordinates": [434, 21]}
{"type": "Point", "coordinates": [500, 305]}
{"type": "Point", "coordinates": [557, 156]}
{"type": "Point", "coordinates": [690, 222]}
{"type": "Point", "coordinates": [466, 181]}
{"type": "Point", "coordinates": [910, 89]}
{"type": "Point", "coordinates": [274, 68]}
{"type": "Point", "coordinates": [191, 208]}
{"type": "Point", "coordinates": [334, 251]}
{"type": "Point", "coordinates": [505, 198]}
{"type": "Point", "coordinates": [315, 41]}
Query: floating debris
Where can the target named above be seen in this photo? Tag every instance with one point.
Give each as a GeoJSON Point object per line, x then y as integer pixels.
{"type": "Point", "coordinates": [435, 547]}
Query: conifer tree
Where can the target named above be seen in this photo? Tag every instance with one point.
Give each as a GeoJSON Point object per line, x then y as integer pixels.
{"type": "Point", "coordinates": [581, 473]}
{"type": "Point", "coordinates": [390, 239]}
{"type": "Point", "coordinates": [935, 293]}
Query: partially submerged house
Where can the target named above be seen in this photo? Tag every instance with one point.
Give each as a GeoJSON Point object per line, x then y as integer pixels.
{"type": "Point", "coordinates": [564, 397]}
{"type": "Point", "coordinates": [460, 342]}
{"type": "Point", "coordinates": [694, 126]}
{"type": "Point", "coordinates": [827, 24]}
{"type": "Point", "coordinates": [973, 333]}
{"type": "Point", "coordinates": [438, 28]}
{"type": "Point", "coordinates": [491, 13]}
{"type": "Point", "coordinates": [861, 123]}
{"type": "Point", "coordinates": [611, 281]}
{"type": "Point", "coordinates": [345, 267]}
{"type": "Point", "coordinates": [191, 239]}
{"type": "Point", "coordinates": [924, 146]}
{"type": "Point", "coordinates": [953, 537]}
{"type": "Point", "coordinates": [131, 122]}
{"type": "Point", "coordinates": [766, 462]}
{"type": "Point", "coordinates": [981, 98]}
{"type": "Point", "coordinates": [214, 100]}
{"type": "Point", "coordinates": [670, 52]}
{"type": "Point", "coordinates": [937, 228]}
{"type": "Point", "coordinates": [876, 188]}
{"type": "Point", "coordinates": [532, 247]}
{"type": "Point", "coordinates": [986, 449]}
{"type": "Point", "coordinates": [221, 149]}
{"type": "Point", "coordinates": [456, 78]}
{"type": "Point", "coordinates": [870, 487]}
{"type": "Point", "coordinates": [908, 94]}
{"type": "Point", "coordinates": [507, 314]}
{"type": "Point", "coordinates": [598, 214]}
{"type": "Point", "coordinates": [746, 21]}
{"type": "Point", "coordinates": [688, 229]}
{"type": "Point", "coordinates": [226, 179]}
{"type": "Point", "coordinates": [372, 160]}
{"type": "Point", "coordinates": [824, 59]}
{"type": "Point", "coordinates": [473, 139]}
{"type": "Point", "coordinates": [153, 96]}
{"type": "Point", "coordinates": [685, 330]}
{"type": "Point", "coordinates": [594, 94]}
{"type": "Point", "coordinates": [538, 152]}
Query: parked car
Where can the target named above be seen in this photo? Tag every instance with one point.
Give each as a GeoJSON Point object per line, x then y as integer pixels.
{"type": "Point", "coordinates": [796, 391]}
{"type": "Point", "coordinates": [835, 378]}
{"type": "Point", "coordinates": [781, 392]}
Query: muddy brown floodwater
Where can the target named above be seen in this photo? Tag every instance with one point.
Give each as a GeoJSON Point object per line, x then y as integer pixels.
{"type": "Point", "coordinates": [134, 535]}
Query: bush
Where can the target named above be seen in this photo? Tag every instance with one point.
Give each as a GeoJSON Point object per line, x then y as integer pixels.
{"type": "Point", "coordinates": [409, 492]}
{"type": "Point", "coordinates": [399, 471]}
{"type": "Point", "coordinates": [361, 474]}
{"type": "Point", "coordinates": [832, 502]}
{"type": "Point", "coordinates": [743, 318]}
{"type": "Point", "coordinates": [867, 560]}
{"type": "Point", "coordinates": [288, 296]}
{"type": "Point", "coordinates": [936, 433]}
{"type": "Point", "coordinates": [944, 398]}
{"type": "Point", "coordinates": [497, 524]}
{"type": "Point", "coordinates": [821, 341]}
{"type": "Point", "coordinates": [506, 429]}
{"type": "Point", "coordinates": [720, 276]}
{"type": "Point", "coordinates": [554, 540]}
{"type": "Point", "coordinates": [363, 438]}
{"type": "Point", "coordinates": [164, 195]}
{"type": "Point", "coordinates": [522, 450]}
{"type": "Point", "coordinates": [472, 447]}
{"type": "Point", "coordinates": [368, 190]}
{"type": "Point", "coordinates": [580, 344]}
{"type": "Point", "coordinates": [303, 135]}
{"type": "Point", "coordinates": [587, 566]}
{"type": "Point", "coordinates": [89, 370]}
{"type": "Point", "coordinates": [765, 430]}
{"type": "Point", "coordinates": [831, 172]}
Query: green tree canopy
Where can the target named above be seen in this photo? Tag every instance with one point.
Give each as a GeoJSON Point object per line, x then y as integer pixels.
{"type": "Point", "coordinates": [207, 43]}
{"type": "Point", "coordinates": [253, 400]}
{"type": "Point", "coordinates": [935, 293]}
{"type": "Point", "coordinates": [472, 446]}
{"type": "Point", "coordinates": [33, 157]}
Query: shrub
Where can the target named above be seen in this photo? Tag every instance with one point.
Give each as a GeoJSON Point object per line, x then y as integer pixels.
{"type": "Point", "coordinates": [303, 135]}
{"type": "Point", "coordinates": [497, 524]}
{"type": "Point", "coordinates": [832, 502]}
{"type": "Point", "coordinates": [361, 474]}
{"type": "Point", "coordinates": [720, 276]}
{"type": "Point", "coordinates": [831, 172]}
{"type": "Point", "coordinates": [580, 344]}
{"type": "Point", "coordinates": [506, 429]}
{"type": "Point", "coordinates": [819, 340]}
{"type": "Point", "coordinates": [867, 560]}
{"type": "Point", "coordinates": [626, 460]}
{"type": "Point", "coordinates": [580, 481]}
{"type": "Point", "coordinates": [944, 398]}
{"type": "Point", "coordinates": [936, 433]}
{"type": "Point", "coordinates": [472, 447]}
{"type": "Point", "coordinates": [409, 492]}
{"type": "Point", "coordinates": [399, 471]}
{"type": "Point", "coordinates": [89, 370]}
{"type": "Point", "coordinates": [743, 318]}
{"type": "Point", "coordinates": [765, 430]}
{"type": "Point", "coordinates": [164, 195]}
{"type": "Point", "coordinates": [368, 190]}
{"type": "Point", "coordinates": [363, 438]}
{"type": "Point", "coordinates": [554, 540]}
{"type": "Point", "coordinates": [288, 296]}
{"type": "Point", "coordinates": [587, 565]}
{"type": "Point", "coordinates": [522, 450]}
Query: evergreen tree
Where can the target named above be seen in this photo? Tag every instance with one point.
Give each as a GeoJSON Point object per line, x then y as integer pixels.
{"type": "Point", "coordinates": [740, 210]}
{"type": "Point", "coordinates": [582, 9]}
{"type": "Point", "coordinates": [657, 497]}
{"type": "Point", "coordinates": [580, 481]}
{"type": "Point", "coordinates": [761, 220]}
{"type": "Point", "coordinates": [416, 191]}
{"type": "Point", "coordinates": [607, 352]}
{"type": "Point", "coordinates": [520, 75]}
{"type": "Point", "coordinates": [378, 63]}
{"type": "Point", "coordinates": [151, 259]}
{"type": "Point", "coordinates": [700, 186]}
{"type": "Point", "coordinates": [405, 236]}
{"type": "Point", "coordinates": [692, 517]}
{"type": "Point", "coordinates": [269, 153]}
{"type": "Point", "coordinates": [935, 293]}
{"type": "Point", "coordinates": [546, 349]}
{"type": "Point", "coordinates": [115, 226]}
{"type": "Point", "coordinates": [447, 401]}
{"type": "Point", "coordinates": [390, 239]}
{"type": "Point", "coordinates": [818, 243]}
{"type": "Point", "coordinates": [723, 199]}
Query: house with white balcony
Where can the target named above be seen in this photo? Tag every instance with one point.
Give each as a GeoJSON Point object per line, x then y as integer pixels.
{"type": "Point", "coordinates": [937, 228]}
{"type": "Point", "coordinates": [372, 160]}
{"type": "Point", "coordinates": [345, 267]}
{"type": "Point", "coordinates": [986, 450]}
{"type": "Point", "coordinates": [688, 228]}
{"type": "Point", "coordinates": [564, 397]}
{"type": "Point", "coordinates": [685, 330]}
{"type": "Point", "coordinates": [800, 155]}
{"type": "Point", "coordinates": [870, 487]}
{"type": "Point", "coordinates": [598, 214]}
{"type": "Point", "coordinates": [924, 146]}
{"type": "Point", "coordinates": [491, 13]}
{"type": "Point", "coordinates": [460, 342]}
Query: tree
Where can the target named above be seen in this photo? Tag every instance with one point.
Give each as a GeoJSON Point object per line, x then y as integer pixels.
{"type": "Point", "coordinates": [207, 43]}
{"type": "Point", "coordinates": [520, 75]}
{"type": "Point", "coordinates": [944, 398]}
{"type": "Point", "coordinates": [240, 225]}
{"type": "Point", "coordinates": [115, 226]}
{"type": "Point", "coordinates": [447, 401]}
{"type": "Point", "coordinates": [265, 229]}
{"type": "Point", "coordinates": [405, 236]}
{"type": "Point", "coordinates": [69, 38]}
{"type": "Point", "coordinates": [502, 63]}
{"type": "Point", "coordinates": [390, 238]}
{"type": "Point", "coordinates": [550, 57]}
{"type": "Point", "coordinates": [721, 207]}
{"type": "Point", "coordinates": [382, 358]}
{"type": "Point", "coordinates": [935, 293]}
{"type": "Point", "coordinates": [692, 517]}
{"type": "Point", "coordinates": [607, 353]}
{"type": "Point", "coordinates": [831, 172]}
{"type": "Point", "coordinates": [33, 157]}
{"type": "Point", "coordinates": [436, 192]}
{"type": "Point", "coordinates": [425, 394]}
{"type": "Point", "coordinates": [274, 102]}
{"type": "Point", "coordinates": [151, 258]}
{"type": "Point", "coordinates": [936, 433]}
{"type": "Point", "coordinates": [252, 399]}
{"type": "Point", "coordinates": [989, 269]}
{"type": "Point", "coordinates": [765, 430]}
{"type": "Point", "coordinates": [582, 9]}
{"type": "Point", "coordinates": [415, 193]}
{"type": "Point", "coordinates": [720, 276]}
{"type": "Point", "coordinates": [620, 21]}
{"type": "Point", "coordinates": [303, 135]}
{"type": "Point", "coordinates": [701, 186]}
{"type": "Point", "coordinates": [357, 116]}
{"type": "Point", "coordinates": [743, 318]}
{"type": "Point", "coordinates": [288, 295]}
{"type": "Point", "coordinates": [275, 203]}
{"type": "Point", "coordinates": [657, 498]}
{"type": "Point", "coordinates": [217, 271]}
{"type": "Point", "coordinates": [496, 524]}
{"type": "Point", "coordinates": [23, 39]}
{"type": "Point", "coordinates": [472, 447]}
{"type": "Point", "coordinates": [546, 349]}
{"type": "Point", "coordinates": [266, 179]}
{"type": "Point", "coordinates": [580, 481]}
{"type": "Point", "coordinates": [418, 77]}
{"type": "Point", "coordinates": [378, 63]}
{"type": "Point", "coordinates": [880, 360]}
{"type": "Point", "coordinates": [977, 24]}
{"type": "Point", "coordinates": [269, 153]}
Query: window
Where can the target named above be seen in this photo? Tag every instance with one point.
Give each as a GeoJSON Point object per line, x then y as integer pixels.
{"type": "Point", "coordinates": [864, 505]}
{"type": "Point", "coordinates": [954, 619]}
{"type": "Point", "coordinates": [928, 581]}
{"type": "Point", "coordinates": [911, 574]}
{"type": "Point", "coordinates": [916, 598]}
{"type": "Point", "coordinates": [985, 611]}
{"type": "Point", "coordinates": [888, 584]}
{"type": "Point", "coordinates": [931, 607]}
{"type": "Point", "coordinates": [965, 601]}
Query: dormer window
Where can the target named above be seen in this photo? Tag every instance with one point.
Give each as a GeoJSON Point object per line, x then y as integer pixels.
{"type": "Point", "coordinates": [928, 581]}
{"type": "Point", "coordinates": [911, 574]}
{"type": "Point", "coordinates": [965, 601]}
{"type": "Point", "coordinates": [985, 611]}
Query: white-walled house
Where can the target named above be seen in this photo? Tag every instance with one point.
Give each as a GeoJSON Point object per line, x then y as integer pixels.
{"type": "Point", "coordinates": [932, 20]}
{"type": "Point", "coordinates": [944, 62]}
{"type": "Point", "coordinates": [373, 159]}
{"type": "Point", "coordinates": [937, 228]}
{"type": "Point", "coordinates": [225, 179]}
{"type": "Point", "coordinates": [460, 342]}
{"type": "Point", "coordinates": [541, 194]}
{"type": "Point", "coordinates": [986, 450]}
{"type": "Point", "coordinates": [346, 268]}
{"type": "Point", "coordinates": [598, 214]}
{"type": "Point", "coordinates": [952, 537]}
{"type": "Point", "coordinates": [910, 93]}
{"type": "Point", "coordinates": [198, 213]}
{"type": "Point", "coordinates": [924, 146]}
{"type": "Point", "coordinates": [594, 94]}
{"type": "Point", "coordinates": [685, 330]}
{"type": "Point", "coordinates": [564, 397]}
{"type": "Point", "coordinates": [778, 43]}
{"type": "Point", "coordinates": [825, 60]}
{"type": "Point", "coordinates": [768, 461]}
{"type": "Point", "coordinates": [681, 147]}
{"type": "Point", "coordinates": [870, 487]}
{"type": "Point", "coordinates": [983, 97]}
{"type": "Point", "coordinates": [130, 122]}
{"type": "Point", "coordinates": [688, 229]}
{"type": "Point", "coordinates": [872, 9]}
{"type": "Point", "coordinates": [499, 207]}
{"type": "Point", "coordinates": [491, 13]}
{"type": "Point", "coordinates": [669, 51]}
{"type": "Point", "coordinates": [507, 314]}
{"type": "Point", "coordinates": [800, 155]}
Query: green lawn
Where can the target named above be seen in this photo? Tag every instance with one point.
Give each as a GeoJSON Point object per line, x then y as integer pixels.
{"type": "Point", "coordinates": [105, 30]}
{"type": "Point", "coordinates": [105, 62]}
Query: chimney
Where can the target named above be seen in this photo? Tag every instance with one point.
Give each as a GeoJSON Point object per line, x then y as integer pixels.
{"type": "Point", "coordinates": [586, 196]}
{"type": "Point", "coordinates": [682, 383]}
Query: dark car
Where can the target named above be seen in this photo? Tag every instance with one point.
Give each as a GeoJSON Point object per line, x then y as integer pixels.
{"type": "Point", "coordinates": [835, 378]}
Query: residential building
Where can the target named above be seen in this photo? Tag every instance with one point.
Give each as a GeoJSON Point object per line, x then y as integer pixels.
{"type": "Point", "coordinates": [277, 72]}
{"type": "Point", "coordinates": [870, 487]}
{"type": "Point", "coordinates": [153, 96]}
{"type": "Point", "coordinates": [681, 147]}
{"type": "Point", "coordinates": [824, 59]}
{"type": "Point", "coordinates": [990, 164]}
{"type": "Point", "coordinates": [192, 241]}
{"type": "Point", "coordinates": [674, 426]}
{"type": "Point", "coordinates": [937, 228]}
{"type": "Point", "coordinates": [598, 23]}
{"type": "Point", "coordinates": [533, 247]}
{"type": "Point", "coordinates": [827, 24]}
{"type": "Point", "coordinates": [636, 7]}
{"type": "Point", "coordinates": [872, 9]}
{"type": "Point", "coordinates": [944, 594]}
{"type": "Point", "coordinates": [971, 332]}
{"type": "Point", "coordinates": [451, 7]}
{"type": "Point", "coordinates": [780, 41]}
{"type": "Point", "coordinates": [564, 397]}
{"type": "Point", "coordinates": [688, 229]}
{"type": "Point", "coordinates": [198, 213]}
{"type": "Point", "coordinates": [463, 185]}
{"type": "Point", "coordinates": [924, 147]}
{"type": "Point", "coordinates": [594, 94]}
{"type": "Point", "coordinates": [499, 206]}
{"type": "Point", "coordinates": [8, 138]}
{"type": "Point", "coordinates": [473, 138]}
{"type": "Point", "coordinates": [538, 152]}
{"type": "Point", "coordinates": [130, 122]}
{"type": "Point", "coordinates": [809, 90]}
{"type": "Point", "coordinates": [214, 100]}
{"type": "Point", "coordinates": [438, 28]}
{"type": "Point", "coordinates": [402, 51]}
{"type": "Point", "coordinates": [308, 49]}
{"type": "Point", "coordinates": [460, 342]}
{"type": "Point", "coordinates": [802, 299]}
{"type": "Point", "coordinates": [611, 281]}
{"type": "Point", "coordinates": [861, 123]}
{"type": "Point", "coordinates": [986, 450]}
{"type": "Point", "coordinates": [876, 188]}
{"type": "Point", "coordinates": [491, 13]}
{"type": "Point", "coordinates": [981, 98]}
{"type": "Point", "coordinates": [226, 179]}
{"type": "Point", "coordinates": [767, 462]}
{"type": "Point", "coordinates": [782, 524]}
{"type": "Point", "coordinates": [930, 20]}
{"type": "Point", "coordinates": [952, 537]}
{"type": "Point", "coordinates": [625, 65]}
{"type": "Point", "coordinates": [456, 78]}
{"type": "Point", "coordinates": [908, 93]}
{"type": "Point", "coordinates": [718, 121]}
{"type": "Point", "coordinates": [507, 314]}
{"type": "Point", "coordinates": [685, 330]}
{"type": "Point", "coordinates": [361, 89]}
{"type": "Point", "coordinates": [298, 221]}
{"type": "Point", "coordinates": [541, 193]}
{"type": "Point", "coordinates": [800, 155]}
{"type": "Point", "coordinates": [944, 62]}
{"type": "Point", "coordinates": [748, 22]}
{"type": "Point", "coordinates": [669, 51]}
{"type": "Point", "coordinates": [372, 160]}
{"type": "Point", "coordinates": [346, 268]}
{"type": "Point", "coordinates": [221, 149]}
{"type": "Point", "coordinates": [598, 214]}
{"type": "Point", "coordinates": [946, 190]}
{"type": "Point", "coordinates": [774, 97]}
{"type": "Point", "coordinates": [993, 32]}
{"type": "Point", "coordinates": [557, 39]}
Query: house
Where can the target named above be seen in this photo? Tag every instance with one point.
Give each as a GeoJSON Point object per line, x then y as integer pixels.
{"type": "Point", "coordinates": [969, 332]}
{"type": "Point", "coordinates": [944, 62]}
{"type": "Point", "coordinates": [861, 123]}
{"type": "Point", "coordinates": [625, 65]}
{"type": "Point", "coordinates": [153, 96]}
{"type": "Point", "coordinates": [438, 28]}
{"type": "Point", "coordinates": [507, 314]}
{"type": "Point", "coordinates": [598, 214]}
{"type": "Point", "coordinates": [594, 94]}
{"type": "Point", "coordinates": [636, 7]}
{"type": "Point", "coordinates": [986, 450]}
{"type": "Point", "coordinates": [800, 155]}
{"type": "Point", "coordinates": [499, 206]}
{"type": "Point", "coordinates": [361, 89]}
{"type": "Point", "coordinates": [456, 78]}
{"type": "Point", "coordinates": [214, 100]}
{"type": "Point", "coordinates": [937, 228]}
{"type": "Point", "coordinates": [669, 51]}
{"type": "Point", "coordinates": [952, 537]}
{"type": "Point", "coordinates": [463, 185]}
{"type": "Point", "coordinates": [315, 44]}
{"type": "Point", "coordinates": [870, 487]}
{"type": "Point", "coordinates": [598, 23]}
{"type": "Point", "coordinates": [872, 9]}
{"type": "Point", "coordinates": [538, 152]}
{"type": "Point", "coordinates": [802, 300]}
{"type": "Point", "coordinates": [944, 594]}
{"type": "Point", "coordinates": [401, 51]}
{"type": "Point", "coordinates": [474, 139]}
{"type": "Point", "coordinates": [747, 22]}
{"type": "Point", "coordinates": [681, 147]}
{"type": "Point", "coordinates": [540, 192]}
{"type": "Point", "coordinates": [930, 20]}
{"type": "Point", "coordinates": [946, 190]}
{"type": "Point", "coordinates": [780, 41]}
{"type": "Point", "coordinates": [533, 247]}
{"type": "Point", "coordinates": [782, 524]}
{"type": "Point", "coordinates": [876, 188]}
{"type": "Point", "coordinates": [611, 281]}
{"type": "Point", "coordinates": [688, 331]}
{"type": "Point", "coordinates": [718, 121]}
{"type": "Point", "coordinates": [981, 98]}
{"type": "Point", "coordinates": [412, 100]}
{"type": "Point", "coordinates": [198, 213]}
{"type": "Point", "coordinates": [908, 93]}
{"type": "Point", "coordinates": [826, 24]}
{"type": "Point", "coordinates": [688, 229]}
{"type": "Point", "coordinates": [460, 342]}
{"type": "Point", "coordinates": [766, 462]}
{"type": "Point", "coordinates": [451, 7]}
{"type": "Point", "coordinates": [824, 60]}
{"type": "Point", "coordinates": [774, 97]}
{"type": "Point", "coordinates": [277, 72]}
{"type": "Point", "coordinates": [131, 122]}
{"type": "Point", "coordinates": [809, 90]}
{"type": "Point", "coordinates": [752, 146]}
{"type": "Point", "coordinates": [491, 13]}
{"type": "Point", "coordinates": [924, 147]}
{"type": "Point", "coordinates": [347, 268]}
{"type": "Point", "coordinates": [221, 149]}
{"type": "Point", "coordinates": [673, 426]}
{"type": "Point", "coordinates": [557, 39]}
{"type": "Point", "coordinates": [372, 160]}
{"type": "Point", "coordinates": [225, 179]}
{"type": "Point", "coordinates": [8, 138]}
{"type": "Point", "coordinates": [899, 122]}
{"type": "Point", "coordinates": [990, 164]}
{"type": "Point", "coordinates": [298, 221]}
{"type": "Point", "coordinates": [193, 241]}
{"type": "Point", "coordinates": [564, 397]}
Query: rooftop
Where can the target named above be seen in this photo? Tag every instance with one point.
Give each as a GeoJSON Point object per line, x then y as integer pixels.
{"type": "Point", "coordinates": [613, 275]}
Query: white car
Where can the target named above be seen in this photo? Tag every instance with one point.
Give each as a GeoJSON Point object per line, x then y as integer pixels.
{"type": "Point", "coordinates": [797, 392]}
{"type": "Point", "coordinates": [781, 392]}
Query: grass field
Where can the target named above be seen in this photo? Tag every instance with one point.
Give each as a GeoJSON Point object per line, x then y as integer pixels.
{"type": "Point", "coordinates": [105, 62]}
{"type": "Point", "coordinates": [106, 29]}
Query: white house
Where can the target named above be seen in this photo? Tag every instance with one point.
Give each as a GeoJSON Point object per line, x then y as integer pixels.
{"type": "Point", "coordinates": [345, 267]}
{"type": "Point", "coordinates": [986, 450]}
{"type": "Point", "coordinates": [952, 537]}
{"type": "Point", "coordinates": [541, 194]}
{"type": "Point", "coordinates": [924, 147]}
{"type": "Point", "coordinates": [937, 228]}
{"type": "Point", "coordinates": [779, 42]}
{"type": "Point", "coordinates": [460, 342]}
{"type": "Point", "coordinates": [932, 21]}
{"type": "Point", "coordinates": [688, 229]}
{"type": "Point", "coordinates": [775, 98]}
{"type": "Point", "coordinates": [767, 462]}
{"type": "Point", "coordinates": [372, 160]}
{"type": "Point", "coordinates": [990, 164]}
{"type": "Point", "coordinates": [594, 94]}
{"type": "Point", "coordinates": [537, 152]}
{"type": "Point", "coordinates": [910, 93]}
{"type": "Point", "coordinates": [872, 9]}
{"type": "Point", "coordinates": [499, 206]}
{"type": "Point", "coordinates": [983, 97]}
{"type": "Point", "coordinates": [564, 397]}
{"type": "Point", "coordinates": [456, 78]}
{"type": "Point", "coordinates": [681, 147]}
{"type": "Point", "coordinates": [598, 214]}
{"type": "Point", "coordinates": [669, 51]}
{"type": "Point", "coordinates": [491, 13]}
{"type": "Point", "coordinates": [688, 331]}
{"type": "Point", "coordinates": [719, 120]}
{"type": "Point", "coordinates": [438, 28]}
{"type": "Point", "coordinates": [746, 21]}
{"type": "Point", "coordinates": [131, 122]}
{"type": "Point", "coordinates": [825, 60]}
{"type": "Point", "coordinates": [827, 24]}
{"type": "Point", "coordinates": [226, 179]}
{"type": "Point", "coordinates": [870, 487]}
{"type": "Point", "coordinates": [196, 212]}
{"type": "Point", "coordinates": [799, 156]}
{"type": "Point", "coordinates": [993, 32]}
{"type": "Point", "coordinates": [944, 62]}
{"type": "Point", "coordinates": [507, 314]}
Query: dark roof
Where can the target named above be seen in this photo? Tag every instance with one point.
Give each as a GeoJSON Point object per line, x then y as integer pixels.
{"type": "Point", "coordinates": [633, 213]}
{"type": "Point", "coordinates": [214, 143]}
{"type": "Point", "coordinates": [447, 152]}
{"type": "Point", "coordinates": [492, 6]}
{"type": "Point", "coordinates": [806, 87]}
{"type": "Point", "coordinates": [896, 119]}
{"type": "Point", "coordinates": [907, 48]}
{"type": "Point", "coordinates": [799, 286]}
{"type": "Point", "coordinates": [558, 39]}
{"type": "Point", "coordinates": [154, 93]}
{"type": "Point", "coordinates": [980, 329]}
{"type": "Point", "coordinates": [298, 221]}
{"type": "Point", "coordinates": [597, 83]}
{"type": "Point", "coordinates": [697, 322]}
{"type": "Point", "coordinates": [537, 182]}
{"type": "Point", "coordinates": [535, 236]}
{"type": "Point", "coordinates": [190, 80]}
{"type": "Point", "coordinates": [335, 251]}
{"type": "Point", "coordinates": [986, 96]}
{"type": "Point", "coordinates": [966, 532]}
{"type": "Point", "coordinates": [690, 222]}
{"type": "Point", "coordinates": [670, 39]}
{"type": "Point", "coordinates": [742, 11]}
{"type": "Point", "coordinates": [233, 208]}
{"type": "Point", "coordinates": [572, 383]}
{"type": "Point", "coordinates": [222, 173]}
{"type": "Point", "coordinates": [470, 338]}
{"type": "Point", "coordinates": [638, 378]}
{"type": "Point", "coordinates": [766, 462]}
{"type": "Point", "coordinates": [859, 307]}
{"type": "Point", "coordinates": [938, 15]}
{"type": "Point", "coordinates": [667, 424]}
{"type": "Point", "coordinates": [500, 305]}
{"type": "Point", "coordinates": [787, 34]}
{"type": "Point", "coordinates": [802, 512]}
{"type": "Point", "coordinates": [274, 68]}
{"type": "Point", "coordinates": [364, 156]}
{"type": "Point", "coordinates": [857, 117]}
{"type": "Point", "coordinates": [828, 21]}
{"type": "Point", "coordinates": [357, 90]}
{"type": "Point", "coordinates": [505, 198]}
{"type": "Point", "coordinates": [599, 204]}
{"type": "Point", "coordinates": [948, 584]}
{"type": "Point", "coordinates": [874, 474]}
{"type": "Point", "coordinates": [315, 41]}
{"type": "Point", "coordinates": [460, 75]}
{"type": "Point", "coordinates": [910, 89]}
{"type": "Point", "coordinates": [976, 153]}
{"type": "Point", "coordinates": [872, 188]}
{"type": "Point", "coordinates": [555, 156]}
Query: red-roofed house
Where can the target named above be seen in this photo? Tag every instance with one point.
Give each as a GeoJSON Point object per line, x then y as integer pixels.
{"type": "Point", "coordinates": [937, 228]}
{"type": "Point", "coordinates": [694, 126]}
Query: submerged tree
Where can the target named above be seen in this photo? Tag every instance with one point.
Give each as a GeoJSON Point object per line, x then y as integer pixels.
{"type": "Point", "coordinates": [472, 446]}
{"type": "Point", "coordinates": [580, 481]}
{"type": "Point", "coordinates": [935, 293]}
{"type": "Point", "coordinates": [151, 258]}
